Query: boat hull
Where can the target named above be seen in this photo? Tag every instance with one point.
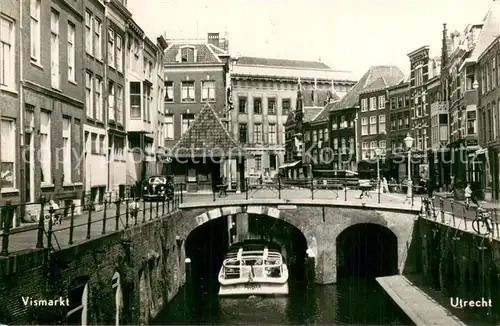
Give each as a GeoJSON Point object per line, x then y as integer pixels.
{"type": "Point", "coordinates": [260, 289]}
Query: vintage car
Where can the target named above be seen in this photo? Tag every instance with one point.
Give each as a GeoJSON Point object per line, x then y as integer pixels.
{"type": "Point", "coordinates": [158, 187]}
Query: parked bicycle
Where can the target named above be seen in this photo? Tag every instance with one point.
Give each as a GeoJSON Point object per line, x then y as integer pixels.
{"type": "Point", "coordinates": [482, 224]}
{"type": "Point", "coordinates": [429, 206]}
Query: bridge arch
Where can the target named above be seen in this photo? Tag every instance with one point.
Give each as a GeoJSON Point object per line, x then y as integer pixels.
{"type": "Point", "coordinates": [271, 212]}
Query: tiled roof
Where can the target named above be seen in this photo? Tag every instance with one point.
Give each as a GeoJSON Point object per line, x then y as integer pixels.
{"type": "Point", "coordinates": [254, 61]}
{"type": "Point", "coordinates": [391, 75]}
{"type": "Point", "coordinates": [311, 112]}
{"type": "Point", "coordinates": [204, 53]}
{"type": "Point", "coordinates": [489, 32]}
{"type": "Point", "coordinates": [321, 94]}
{"type": "Point", "coordinates": [217, 50]}
{"type": "Point", "coordinates": [207, 137]}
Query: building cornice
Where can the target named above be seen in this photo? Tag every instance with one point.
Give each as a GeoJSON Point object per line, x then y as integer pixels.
{"type": "Point", "coordinates": [72, 8]}
{"type": "Point", "coordinates": [115, 4]}
{"type": "Point", "coordinates": [291, 79]}
{"type": "Point", "coordinates": [193, 65]}
{"type": "Point", "coordinates": [56, 94]}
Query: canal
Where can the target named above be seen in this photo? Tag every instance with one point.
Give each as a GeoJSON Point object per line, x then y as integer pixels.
{"type": "Point", "coordinates": [350, 301]}
{"type": "Point", "coordinates": [356, 298]}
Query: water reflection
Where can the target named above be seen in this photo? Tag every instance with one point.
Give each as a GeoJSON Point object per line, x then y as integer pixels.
{"type": "Point", "coordinates": [351, 301]}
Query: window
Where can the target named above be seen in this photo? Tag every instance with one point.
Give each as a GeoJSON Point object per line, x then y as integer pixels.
{"type": "Point", "coordinates": [343, 144]}
{"type": "Point", "coordinates": [8, 154]}
{"type": "Point", "coordinates": [88, 32]}
{"type": "Point", "coordinates": [97, 38]}
{"type": "Point", "coordinates": [273, 158]}
{"type": "Point", "coordinates": [135, 100]}
{"type": "Point", "coordinates": [119, 104]}
{"type": "Point", "coordinates": [243, 132]}
{"type": "Point", "coordinates": [45, 147]}
{"type": "Point", "coordinates": [93, 143]}
{"type": "Point", "coordinates": [187, 121]}
{"type": "Point", "coordinates": [364, 126]}
{"type": "Point", "coordinates": [373, 103]}
{"type": "Point", "coordinates": [351, 144]}
{"type": "Point", "coordinates": [6, 52]}
{"type": "Point", "coordinates": [272, 134]}
{"type": "Point", "coordinates": [208, 91]}
{"type": "Point", "coordinates": [258, 162]}
{"type": "Point", "coordinates": [471, 122]}
{"type": "Point", "coordinates": [98, 102]}
{"type": "Point", "coordinates": [381, 123]}
{"type": "Point", "coordinates": [335, 143]}
{"type": "Point", "coordinates": [373, 144]}
{"type": "Point", "coordinates": [146, 94]}
{"type": "Point", "coordinates": [373, 124]}
{"type": "Point", "coordinates": [111, 48]}
{"type": "Point", "coordinates": [187, 54]}
{"type": "Point", "coordinates": [271, 106]}
{"type": "Point", "coordinates": [119, 54]}
{"type": "Point", "coordinates": [54, 49]}
{"type": "Point", "coordinates": [285, 106]}
{"type": "Point", "coordinates": [381, 144]}
{"type": "Point", "coordinates": [71, 52]}
{"type": "Point", "coordinates": [88, 95]}
{"type": "Point", "coordinates": [101, 144]}
{"type": "Point", "coordinates": [35, 30]}
{"type": "Point", "coordinates": [187, 91]}
{"type": "Point", "coordinates": [494, 73]}
{"type": "Point", "coordinates": [325, 134]}
{"type": "Point", "coordinates": [364, 105]}
{"type": "Point", "coordinates": [381, 102]}
{"type": "Point", "coordinates": [257, 105]}
{"type": "Point", "coordinates": [242, 104]}
{"type": "Point", "coordinates": [419, 77]}
{"type": "Point", "coordinates": [257, 133]}
{"type": "Point", "coordinates": [169, 91]}
{"type": "Point", "coordinates": [169, 126]}
{"type": "Point", "coordinates": [66, 136]}
{"type": "Point", "coordinates": [334, 123]}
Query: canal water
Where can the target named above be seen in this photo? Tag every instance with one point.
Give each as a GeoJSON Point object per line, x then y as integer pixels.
{"type": "Point", "coordinates": [358, 301]}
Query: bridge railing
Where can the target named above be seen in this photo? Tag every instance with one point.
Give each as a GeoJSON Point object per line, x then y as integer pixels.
{"type": "Point", "coordinates": [58, 227]}
{"type": "Point", "coordinates": [346, 189]}
{"type": "Point", "coordinates": [461, 215]}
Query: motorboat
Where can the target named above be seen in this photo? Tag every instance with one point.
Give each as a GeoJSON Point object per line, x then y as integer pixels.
{"type": "Point", "coordinates": [253, 267]}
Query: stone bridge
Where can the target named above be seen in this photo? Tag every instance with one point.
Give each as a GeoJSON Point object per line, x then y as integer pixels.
{"type": "Point", "coordinates": [319, 221]}
{"type": "Point", "coordinates": [147, 259]}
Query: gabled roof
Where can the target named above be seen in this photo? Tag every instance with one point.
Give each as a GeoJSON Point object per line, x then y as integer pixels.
{"type": "Point", "coordinates": [204, 53]}
{"type": "Point", "coordinates": [311, 112]}
{"type": "Point", "coordinates": [255, 61]}
{"type": "Point", "coordinates": [217, 50]}
{"type": "Point", "coordinates": [489, 32]}
{"type": "Point", "coordinates": [391, 75]}
{"type": "Point", "coordinates": [207, 137]}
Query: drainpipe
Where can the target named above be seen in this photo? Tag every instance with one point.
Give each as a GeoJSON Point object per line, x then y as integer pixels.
{"type": "Point", "coordinates": [21, 113]}
{"type": "Point", "coordinates": [106, 90]}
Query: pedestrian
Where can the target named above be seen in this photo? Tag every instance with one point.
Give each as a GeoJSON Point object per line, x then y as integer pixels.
{"type": "Point", "coordinates": [430, 187]}
{"type": "Point", "coordinates": [468, 195]}
{"type": "Point", "coordinates": [385, 187]}
{"type": "Point", "coordinates": [133, 208]}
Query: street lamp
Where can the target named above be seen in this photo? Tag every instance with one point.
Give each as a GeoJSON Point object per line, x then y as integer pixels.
{"type": "Point", "coordinates": [378, 151]}
{"type": "Point", "coordinates": [409, 144]}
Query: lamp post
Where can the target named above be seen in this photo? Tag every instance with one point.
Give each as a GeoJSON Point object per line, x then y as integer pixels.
{"type": "Point", "coordinates": [409, 144]}
{"type": "Point", "coordinates": [378, 151]}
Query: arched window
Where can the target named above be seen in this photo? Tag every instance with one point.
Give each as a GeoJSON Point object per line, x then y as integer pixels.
{"type": "Point", "coordinates": [78, 302]}
{"type": "Point", "coordinates": [187, 53]}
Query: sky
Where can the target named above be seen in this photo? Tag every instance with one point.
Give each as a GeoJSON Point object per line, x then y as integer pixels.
{"type": "Point", "coordinates": [344, 34]}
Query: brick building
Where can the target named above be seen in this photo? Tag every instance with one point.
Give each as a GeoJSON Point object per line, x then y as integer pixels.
{"type": "Point", "coordinates": [489, 119]}
{"type": "Point", "coordinates": [398, 101]}
{"type": "Point", "coordinates": [372, 122]}
{"type": "Point", "coordinates": [12, 176]}
{"type": "Point", "coordinates": [53, 100]}
{"type": "Point", "coordinates": [195, 74]}
{"type": "Point", "coordinates": [264, 92]}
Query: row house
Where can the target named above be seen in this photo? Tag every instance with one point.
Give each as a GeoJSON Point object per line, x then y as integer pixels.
{"type": "Point", "coordinates": [104, 80]}
{"type": "Point", "coordinates": [12, 166]}
{"type": "Point", "coordinates": [52, 100]}
{"type": "Point", "coordinates": [143, 92]}
{"type": "Point", "coordinates": [489, 119]}
{"type": "Point", "coordinates": [459, 89]}
{"type": "Point", "coordinates": [420, 74]}
{"type": "Point", "coordinates": [373, 117]}
{"type": "Point", "coordinates": [315, 156]}
{"type": "Point", "coordinates": [439, 134]}
{"type": "Point", "coordinates": [195, 73]}
{"type": "Point", "coordinates": [398, 102]}
{"type": "Point", "coordinates": [264, 92]}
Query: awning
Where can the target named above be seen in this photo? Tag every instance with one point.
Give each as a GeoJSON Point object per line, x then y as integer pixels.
{"type": "Point", "coordinates": [289, 165]}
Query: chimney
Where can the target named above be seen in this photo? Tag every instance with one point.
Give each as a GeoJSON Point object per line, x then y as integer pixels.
{"type": "Point", "coordinates": [330, 100]}
{"type": "Point", "coordinates": [315, 92]}
{"type": "Point", "coordinates": [213, 38]}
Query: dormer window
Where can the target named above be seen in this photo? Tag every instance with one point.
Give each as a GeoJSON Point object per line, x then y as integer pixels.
{"type": "Point", "coordinates": [187, 54]}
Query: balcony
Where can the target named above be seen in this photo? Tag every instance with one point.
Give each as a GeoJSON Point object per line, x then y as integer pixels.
{"type": "Point", "coordinates": [439, 107]}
